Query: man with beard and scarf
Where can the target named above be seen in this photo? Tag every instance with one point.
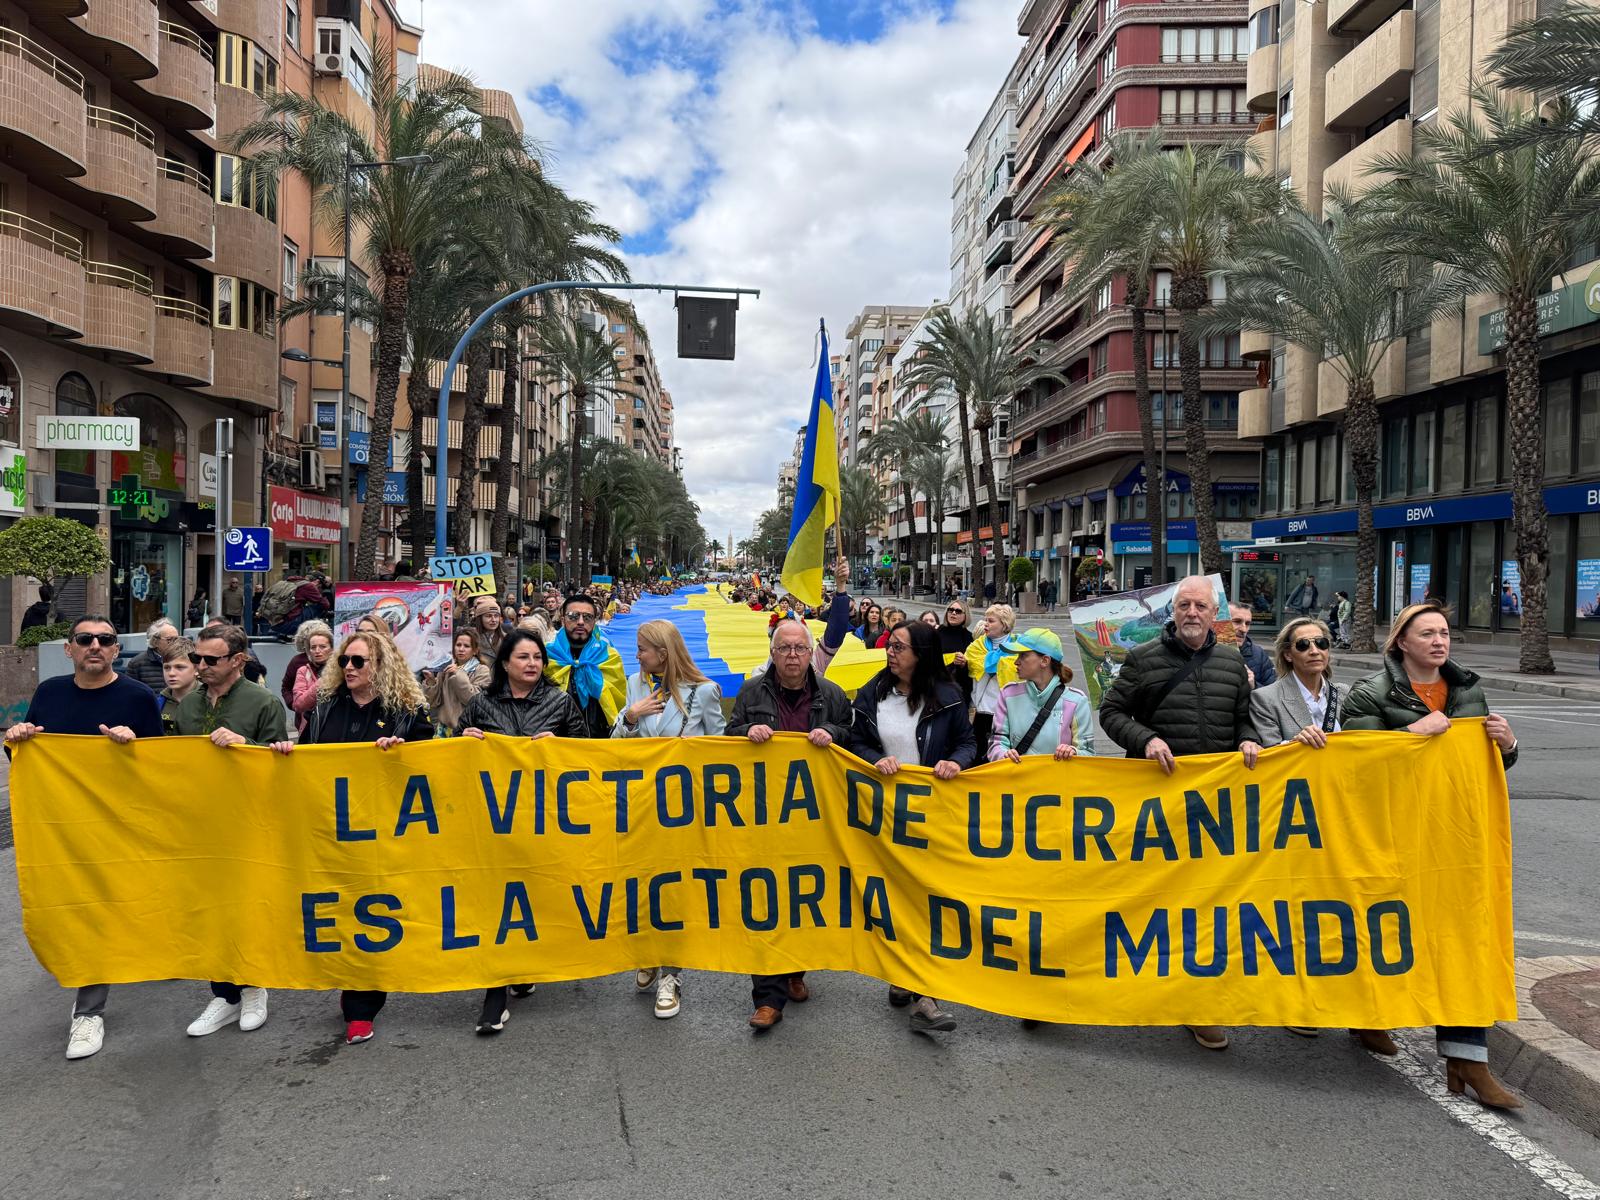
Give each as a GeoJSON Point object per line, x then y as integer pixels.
{"type": "Point", "coordinates": [587, 667]}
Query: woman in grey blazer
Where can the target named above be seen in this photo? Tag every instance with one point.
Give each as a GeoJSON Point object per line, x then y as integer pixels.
{"type": "Point", "coordinates": [1302, 704]}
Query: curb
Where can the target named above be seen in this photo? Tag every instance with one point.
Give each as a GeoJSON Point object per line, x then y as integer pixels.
{"type": "Point", "coordinates": [1539, 1058]}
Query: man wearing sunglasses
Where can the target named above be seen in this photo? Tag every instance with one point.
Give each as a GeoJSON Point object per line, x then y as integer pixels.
{"type": "Point", "coordinates": [93, 699]}
{"type": "Point", "coordinates": [231, 711]}
{"type": "Point", "coordinates": [584, 664]}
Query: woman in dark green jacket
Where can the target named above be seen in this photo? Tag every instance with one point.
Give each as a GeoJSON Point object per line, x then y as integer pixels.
{"type": "Point", "coordinates": [1419, 690]}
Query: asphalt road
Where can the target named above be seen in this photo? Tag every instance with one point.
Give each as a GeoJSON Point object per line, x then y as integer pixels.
{"type": "Point", "coordinates": [586, 1095]}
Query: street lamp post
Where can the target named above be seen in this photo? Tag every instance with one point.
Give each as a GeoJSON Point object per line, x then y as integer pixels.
{"type": "Point", "coordinates": [1158, 489]}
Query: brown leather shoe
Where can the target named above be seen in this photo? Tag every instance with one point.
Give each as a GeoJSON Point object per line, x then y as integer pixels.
{"type": "Point", "coordinates": [798, 991]}
{"type": "Point", "coordinates": [1462, 1073]}
{"type": "Point", "coordinates": [765, 1017]}
{"type": "Point", "coordinates": [1376, 1040]}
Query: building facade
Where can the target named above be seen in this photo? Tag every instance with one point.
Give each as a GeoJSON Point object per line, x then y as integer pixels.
{"type": "Point", "coordinates": [1333, 87]}
{"type": "Point", "coordinates": [1089, 69]}
{"type": "Point", "coordinates": [868, 333]}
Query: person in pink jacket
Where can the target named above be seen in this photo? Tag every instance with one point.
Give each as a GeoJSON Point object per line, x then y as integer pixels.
{"type": "Point", "coordinates": [319, 648]}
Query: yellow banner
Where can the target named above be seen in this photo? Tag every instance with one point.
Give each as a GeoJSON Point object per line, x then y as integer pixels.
{"type": "Point", "coordinates": [1368, 884]}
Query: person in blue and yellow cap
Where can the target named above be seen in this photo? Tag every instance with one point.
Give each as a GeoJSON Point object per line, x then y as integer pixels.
{"type": "Point", "coordinates": [1067, 727]}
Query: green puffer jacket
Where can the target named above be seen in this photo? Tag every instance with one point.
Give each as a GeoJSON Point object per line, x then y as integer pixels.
{"type": "Point", "coordinates": [1208, 713]}
{"type": "Point", "coordinates": [1386, 700]}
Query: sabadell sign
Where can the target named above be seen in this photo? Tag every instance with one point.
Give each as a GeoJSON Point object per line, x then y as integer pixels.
{"type": "Point", "coordinates": [88, 433]}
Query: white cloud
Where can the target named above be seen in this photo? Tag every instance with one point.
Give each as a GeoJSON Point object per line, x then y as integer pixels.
{"type": "Point", "coordinates": [759, 155]}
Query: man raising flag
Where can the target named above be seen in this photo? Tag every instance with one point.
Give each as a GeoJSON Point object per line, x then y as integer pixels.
{"type": "Point", "coordinates": [816, 492]}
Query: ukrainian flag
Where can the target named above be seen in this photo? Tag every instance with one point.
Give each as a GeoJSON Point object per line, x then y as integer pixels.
{"type": "Point", "coordinates": [634, 557]}
{"type": "Point", "coordinates": [816, 497]}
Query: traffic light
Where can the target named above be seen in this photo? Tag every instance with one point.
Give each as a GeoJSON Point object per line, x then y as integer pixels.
{"type": "Point", "coordinates": [706, 326]}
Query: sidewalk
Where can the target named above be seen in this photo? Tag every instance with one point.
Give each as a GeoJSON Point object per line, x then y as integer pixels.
{"type": "Point", "coordinates": [1577, 676]}
{"type": "Point", "coordinates": [1552, 1051]}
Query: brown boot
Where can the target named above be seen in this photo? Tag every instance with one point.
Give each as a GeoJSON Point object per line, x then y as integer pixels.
{"type": "Point", "coordinates": [1462, 1073]}
{"type": "Point", "coordinates": [1376, 1040]}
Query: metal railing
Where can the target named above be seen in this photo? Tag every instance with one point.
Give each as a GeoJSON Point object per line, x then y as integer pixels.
{"type": "Point", "coordinates": [118, 276]}
{"type": "Point", "coordinates": [184, 36]}
{"type": "Point", "coordinates": [110, 118]}
{"type": "Point", "coordinates": [182, 172]}
{"type": "Point", "coordinates": [182, 310]}
{"type": "Point", "coordinates": [1219, 118]}
{"type": "Point", "coordinates": [1238, 56]}
{"type": "Point", "coordinates": [37, 233]}
{"type": "Point", "coordinates": [12, 42]}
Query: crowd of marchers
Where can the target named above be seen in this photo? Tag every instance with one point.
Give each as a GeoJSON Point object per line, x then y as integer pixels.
{"type": "Point", "coordinates": [947, 697]}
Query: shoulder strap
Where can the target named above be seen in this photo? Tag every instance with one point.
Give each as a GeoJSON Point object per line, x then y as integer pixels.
{"type": "Point", "coordinates": [1196, 660]}
{"type": "Point", "coordinates": [1046, 705]}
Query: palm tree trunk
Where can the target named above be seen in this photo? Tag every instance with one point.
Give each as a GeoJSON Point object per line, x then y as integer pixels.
{"type": "Point", "coordinates": [1155, 486]}
{"type": "Point", "coordinates": [397, 269]}
{"type": "Point", "coordinates": [911, 525]}
{"type": "Point", "coordinates": [505, 471]}
{"type": "Point", "coordinates": [991, 506]}
{"type": "Point", "coordinates": [419, 396]}
{"type": "Point", "coordinates": [1189, 293]}
{"type": "Point", "coordinates": [575, 572]}
{"type": "Point", "coordinates": [1529, 518]}
{"type": "Point", "coordinates": [471, 426]}
{"type": "Point", "coordinates": [964, 432]}
{"type": "Point", "coordinates": [1361, 439]}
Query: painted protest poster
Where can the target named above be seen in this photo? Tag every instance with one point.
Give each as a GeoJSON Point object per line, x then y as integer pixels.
{"type": "Point", "coordinates": [418, 614]}
{"type": "Point", "coordinates": [1107, 627]}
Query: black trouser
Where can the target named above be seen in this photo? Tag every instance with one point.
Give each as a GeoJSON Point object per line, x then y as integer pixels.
{"type": "Point", "coordinates": [361, 1006]}
{"type": "Point", "coordinates": [982, 727]}
{"type": "Point", "coordinates": [226, 991]}
{"type": "Point", "coordinates": [772, 991]}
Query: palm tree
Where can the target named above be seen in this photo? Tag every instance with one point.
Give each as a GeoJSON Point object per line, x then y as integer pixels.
{"type": "Point", "coordinates": [1332, 288]}
{"type": "Point", "coordinates": [860, 507]}
{"type": "Point", "coordinates": [716, 551]}
{"type": "Point", "coordinates": [1556, 54]}
{"type": "Point", "coordinates": [434, 116]}
{"type": "Point", "coordinates": [1091, 210]}
{"type": "Point", "coordinates": [898, 443]}
{"type": "Point", "coordinates": [577, 360]}
{"type": "Point", "coordinates": [935, 474]}
{"type": "Point", "coordinates": [972, 357]}
{"type": "Point", "coordinates": [1191, 204]}
{"type": "Point", "coordinates": [1499, 211]}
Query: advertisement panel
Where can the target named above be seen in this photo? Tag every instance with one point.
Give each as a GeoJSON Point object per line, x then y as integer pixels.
{"type": "Point", "coordinates": [296, 516]}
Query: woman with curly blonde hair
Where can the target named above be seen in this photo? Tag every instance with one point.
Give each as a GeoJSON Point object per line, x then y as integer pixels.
{"type": "Point", "coordinates": [367, 694]}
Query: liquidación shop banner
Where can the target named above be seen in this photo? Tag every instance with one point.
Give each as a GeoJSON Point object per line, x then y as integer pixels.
{"type": "Point", "coordinates": [1367, 884]}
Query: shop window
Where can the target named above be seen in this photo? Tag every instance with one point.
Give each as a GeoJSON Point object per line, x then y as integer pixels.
{"type": "Point", "coordinates": [10, 402]}
{"type": "Point", "coordinates": [161, 460]}
{"type": "Point", "coordinates": [1308, 472]}
{"type": "Point", "coordinates": [1327, 469]}
{"type": "Point", "coordinates": [1422, 454]}
{"type": "Point", "coordinates": [1559, 594]}
{"type": "Point", "coordinates": [1508, 579]}
{"type": "Point", "coordinates": [1291, 489]}
{"type": "Point", "coordinates": [1453, 448]}
{"type": "Point", "coordinates": [1269, 478]}
{"type": "Point", "coordinates": [1395, 456]}
{"type": "Point", "coordinates": [1586, 592]}
{"type": "Point", "coordinates": [1485, 440]}
{"type": "Point", "coordinates": [1558, 428]}
{"type": "Point", "coordinates": [1483, 572]}
{"type": "Point", "coordinates": [1589, 422]}
{"type": "Point", "coordinates": [75, 469]}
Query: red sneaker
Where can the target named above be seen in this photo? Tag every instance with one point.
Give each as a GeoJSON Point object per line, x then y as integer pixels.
{"type": "Point", "coordinates": [357, 1031]}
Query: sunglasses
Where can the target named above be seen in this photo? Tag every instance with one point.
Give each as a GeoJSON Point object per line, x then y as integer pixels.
{"type": "Point", "coordinates": [586, 618]}
{"type": "Point", "coordinates": [94, 639]}
{"type": "Point", "coordinates": [209, 660]}
{"type": "Point", "coordinates": [1304, 644]}
{"type": "Point", "coordinates": [954, 612]}
{"type": "Point", "coordinates": [358, 661]}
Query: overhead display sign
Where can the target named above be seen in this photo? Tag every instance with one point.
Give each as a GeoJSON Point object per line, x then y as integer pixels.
{"type": "Point", "coordinates": [87, 433]}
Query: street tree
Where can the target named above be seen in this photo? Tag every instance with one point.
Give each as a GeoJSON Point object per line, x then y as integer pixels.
{"type": "Point", "coordinates": [1556, 54]}
{"type": "Point", "coordinates": [897, 444]}
{"type": "Point", "coordinates": [52, 550]}
{"type": "Point", "coordinates": [861, 507]}
{"type": "Point", "coordinates": [936, 474]}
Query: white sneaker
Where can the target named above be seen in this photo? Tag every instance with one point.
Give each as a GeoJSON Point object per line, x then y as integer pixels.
{"type": "Point", "coordinates": [668, 997]}
{"type": "Point", "coordinates": [252, 1008]}
{"type": "Point", "coordinates": [87, 1036]}
{"type": "Point", "coordinates": [218, 1014]}
{"type": "Point", "coordinates": [644, 978]}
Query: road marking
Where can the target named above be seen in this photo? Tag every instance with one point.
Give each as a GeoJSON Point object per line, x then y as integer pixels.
{"type": "Point", "coordinates": [1424, 1075]}
{"type": "Point", "coordinates": [1555, 939]}
{"type": "Point", "coordinates": [1552, 720]}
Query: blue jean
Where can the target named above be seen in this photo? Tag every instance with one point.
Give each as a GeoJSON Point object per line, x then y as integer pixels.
{"type": "Point", "coordinates": [1463, 1041]}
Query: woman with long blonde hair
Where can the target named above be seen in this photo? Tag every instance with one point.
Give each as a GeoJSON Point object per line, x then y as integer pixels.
{"type": "Point", "coordinates": [367, 694]}
{"type": "Point", "coordinates": [668, 696]}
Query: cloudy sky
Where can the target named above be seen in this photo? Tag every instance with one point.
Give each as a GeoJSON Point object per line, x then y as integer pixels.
{"type": "Point", "coordinates": [802, 147]}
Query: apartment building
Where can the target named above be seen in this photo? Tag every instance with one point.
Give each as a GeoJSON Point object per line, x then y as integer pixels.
{"type": "Point", "coordinates": [637, 422]}
{"type": "Point", "coordinates": [1088, 69]}
{"type": "Point", "coordinates": [789, 468]}
{"type": "Point", "coordinates": [1334, 86]}
{"type": "Point", "coordinates": [865, 338]}
{"type": "Point", "coordinates": [139, 280]}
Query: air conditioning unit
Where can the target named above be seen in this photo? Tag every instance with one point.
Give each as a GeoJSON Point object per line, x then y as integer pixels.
{"type": "Point", "coordinates": [330, 64]}
{"type": "Point", "coordinates": [1094, 528]}
{"type": "Point", "coordinates": [313, 472]}
{"type": "Point", "coordinates": [310, 435]}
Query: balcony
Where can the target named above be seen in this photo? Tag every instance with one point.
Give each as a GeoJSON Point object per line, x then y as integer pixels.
{"type": "Point", "coordinates": [1361, 16]}
{"type": "Point", "coordinates": [1222, 120]}
{"type": "Point", "coordinates": [482, 493]}
{"type": "Point", "coordinates": [488, 437]}
{"type": "Point", "coordinates": [122, 164]}
{"type": "Point", "coordinates": [1388, 381]}
{"type": "Point", "coordinates": [1253, 346]}
{"type": "Point", "coordinates": [185, 212]}
{"type": "Point", "coordinates": [187, 81]}
{"type": "Point", "coordinates": [247, 245]}
{"type": "Point", "coordinates": [1254, 408]}
{"type": "Point", "coordinates": [997, 246]}
{"type": "Point", "coordinates": [261, 23]}
{"type": "Point", "coordinates": [183, 341]}
{"type": "Point", "coordinates": [123, 33]}
{"type": "Point", "coordinates": [204, 11]}
{"type": "Point", "coordinates": [1084, 446]}
{"type": "Point", "coordinates": [1261, 79]}
{"type": "Point", "coordinates": [1351, 171]}
{"type": "Point", "coordinates": [245, 369]}
{"type": "Point", "coordinates": [50, 9]}
{"type": "Point", "coordinates": [41, 108]}
{"type": "Point", "coordinates": [118, 312]}
{"type": "Point", "coordinates": [41, 276]}
{"type": "Point", "coordinates": [1375, 76]}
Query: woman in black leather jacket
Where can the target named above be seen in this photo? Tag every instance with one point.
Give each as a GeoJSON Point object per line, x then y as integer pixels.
{"type": "Point", "coordinates": [519, 702]}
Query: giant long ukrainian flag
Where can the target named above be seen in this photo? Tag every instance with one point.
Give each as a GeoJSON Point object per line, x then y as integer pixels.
{"type": "Point", "coordinates": [816, 494]}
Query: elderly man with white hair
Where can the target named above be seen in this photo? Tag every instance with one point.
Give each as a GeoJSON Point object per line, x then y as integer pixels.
{"type": "Point", "coordinates": [1184, 693]}
{"type": "Point", "coordinates": [790, 696]}
{"type": "Point", "coordinates": [147, 666]}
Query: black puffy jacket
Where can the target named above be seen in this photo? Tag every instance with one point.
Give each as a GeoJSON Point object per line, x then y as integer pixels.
{"type": "Point", "coordinates": [1208, 713]}
{"type": "Point", "coordinates": [943, 730]}
{"type": "Point", "coordinates": [546, 709]}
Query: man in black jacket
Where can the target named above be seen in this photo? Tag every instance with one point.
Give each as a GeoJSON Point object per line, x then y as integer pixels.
{"type": "Point", "coordinates": [1256, 659]}
{"type": "Point", "coordinates": [789, 696]}
{"type": "Point", "coordinates": [1184, 693]}
{"type": "Point", "coordinates": [146, 666]}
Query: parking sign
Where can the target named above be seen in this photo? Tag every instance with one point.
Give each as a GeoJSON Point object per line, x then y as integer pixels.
{"type": "Point", "coordinates": [247, 548]}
